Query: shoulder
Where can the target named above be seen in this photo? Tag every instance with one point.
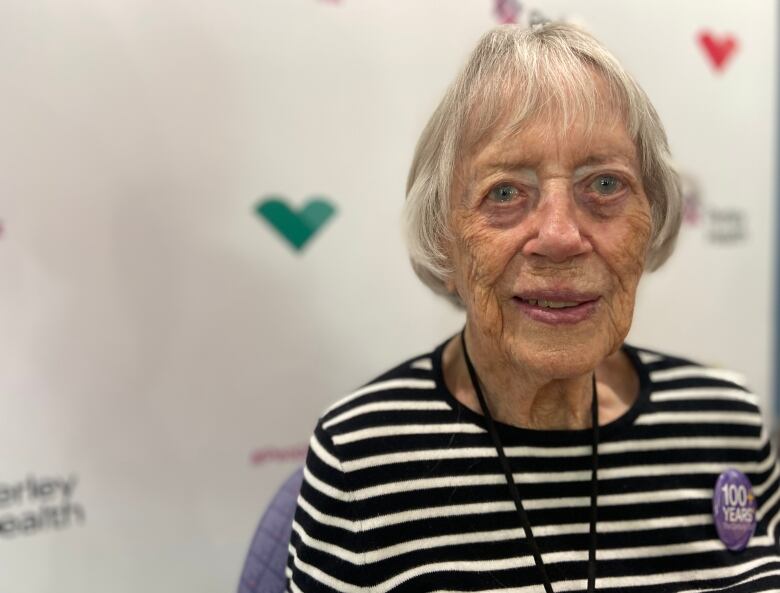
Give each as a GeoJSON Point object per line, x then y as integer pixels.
{"type": "Point", "coordinates": [379, 419]}
{"type": "Point", "coordinates": [665, 370]}
{"type": "Point", "coordinates": [677, 383]}
{"type": "Point", "coordinates": [399, 394]}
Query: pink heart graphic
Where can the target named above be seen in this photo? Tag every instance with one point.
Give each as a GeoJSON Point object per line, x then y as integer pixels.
{"type": "Point", "coordinates": [507, 11]}
{"type": "Point", "coordinates": [719, 50]}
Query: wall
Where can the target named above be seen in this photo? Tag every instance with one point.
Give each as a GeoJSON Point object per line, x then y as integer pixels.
{"type": "Point", "coordinates": [166, 350]}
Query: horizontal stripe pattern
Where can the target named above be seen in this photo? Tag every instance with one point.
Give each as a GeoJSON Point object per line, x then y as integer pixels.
{"type": "Point", "coordinates": [403, 492]}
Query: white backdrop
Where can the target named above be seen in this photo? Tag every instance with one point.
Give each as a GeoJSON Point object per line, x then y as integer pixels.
{"type": "Point", "coordinates": [166, 352]}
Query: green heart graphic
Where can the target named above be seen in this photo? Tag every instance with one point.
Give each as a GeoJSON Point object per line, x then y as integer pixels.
{"type": "Point", "coordinates": [298, 228]}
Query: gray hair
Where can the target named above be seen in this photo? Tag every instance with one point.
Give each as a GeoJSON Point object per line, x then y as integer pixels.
{"type": "Point", "coordinates": [547, 70]}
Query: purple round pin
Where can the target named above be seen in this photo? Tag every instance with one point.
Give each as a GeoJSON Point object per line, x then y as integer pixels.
{"type": "Point", "coordinates": [734, 509]}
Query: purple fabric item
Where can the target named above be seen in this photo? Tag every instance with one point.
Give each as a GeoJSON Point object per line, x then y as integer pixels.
{"type": "Point", "coordinates": [267, 557]}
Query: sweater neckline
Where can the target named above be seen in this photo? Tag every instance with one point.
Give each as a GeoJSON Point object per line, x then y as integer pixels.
{"type": "Point", "coordinates": [515, 434]}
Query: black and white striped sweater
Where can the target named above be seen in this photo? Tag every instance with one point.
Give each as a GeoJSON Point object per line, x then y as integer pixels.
{"type": "Point", "coordinates": [403, 491]}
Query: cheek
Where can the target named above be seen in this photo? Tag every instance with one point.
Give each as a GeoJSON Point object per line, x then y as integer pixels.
{"type": "Point", "coordinates": [628, 253]}
{"type": "Point", "coordinates": [482, 256]}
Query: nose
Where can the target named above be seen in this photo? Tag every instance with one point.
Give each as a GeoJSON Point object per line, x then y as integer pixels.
{"type": "Point", "coordinates": [557, 233]}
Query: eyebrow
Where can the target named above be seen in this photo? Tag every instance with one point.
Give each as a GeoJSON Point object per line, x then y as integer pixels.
{"type": "Point", "coordinates": [600, 159]}
{"type": "Point", "coordinates": [592, 161]}
{"type": "Point", "coordinates": [500, 164]}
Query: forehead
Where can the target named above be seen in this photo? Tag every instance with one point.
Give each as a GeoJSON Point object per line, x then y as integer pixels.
{"type": "Point", "coordinates": [605, 138]}
{"type": "Point", "coordinates": [580, 113]}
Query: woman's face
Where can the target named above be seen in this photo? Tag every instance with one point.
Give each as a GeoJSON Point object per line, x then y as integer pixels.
{"type": "Point", "coordinates": [550, 233]}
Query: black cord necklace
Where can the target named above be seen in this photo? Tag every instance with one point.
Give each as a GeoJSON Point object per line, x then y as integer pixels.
{"type": "Point", "coordinates": [594, 481]}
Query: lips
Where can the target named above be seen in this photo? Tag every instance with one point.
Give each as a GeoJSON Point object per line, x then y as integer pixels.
{"type": "Point", "coordinates": [557, 307]}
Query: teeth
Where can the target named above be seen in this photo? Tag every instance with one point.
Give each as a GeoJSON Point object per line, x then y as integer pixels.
{"type": "Point", "coordinates": [551, 304]}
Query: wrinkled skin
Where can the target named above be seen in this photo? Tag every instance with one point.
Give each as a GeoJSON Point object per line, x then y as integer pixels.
{"type": "Point", "coordinates": [529, 212]}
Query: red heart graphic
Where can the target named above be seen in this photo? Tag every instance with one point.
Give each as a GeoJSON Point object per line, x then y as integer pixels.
{"type": "Point", "coordinates": [719, 50]}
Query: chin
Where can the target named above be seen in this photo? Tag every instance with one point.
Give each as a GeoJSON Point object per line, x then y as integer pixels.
{"type": "Point", "coordinates": [561, 357]}
{"type": "Point", "coordinates": [562, 366]}
{"type": "Point", "coordinates": [563, 350]}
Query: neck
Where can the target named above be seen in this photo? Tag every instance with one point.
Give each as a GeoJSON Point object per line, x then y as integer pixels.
{"type": "Point", "coordinates": [521, 397]}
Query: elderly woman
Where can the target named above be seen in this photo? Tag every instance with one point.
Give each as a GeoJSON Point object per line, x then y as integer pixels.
{"type": "Point", "coordinates": [536, 451]}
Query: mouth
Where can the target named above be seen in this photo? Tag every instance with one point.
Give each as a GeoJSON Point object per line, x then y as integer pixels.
{"type": "Point", "coordinates": [551, 304]}
{"type": "Point", "coordinates": [558, 308]}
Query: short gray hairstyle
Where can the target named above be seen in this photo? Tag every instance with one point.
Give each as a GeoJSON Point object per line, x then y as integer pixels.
{"type": "Point", "coordinates": [546, 70]}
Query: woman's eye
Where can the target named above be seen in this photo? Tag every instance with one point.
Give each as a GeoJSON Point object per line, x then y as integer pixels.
{"type": "Point", "coordinates": [503, 193]}
{"type": "Point", "coordinates": [606, 185]}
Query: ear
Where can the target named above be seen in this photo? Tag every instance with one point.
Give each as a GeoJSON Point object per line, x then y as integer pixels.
{"type": "Point", "coordinates": [449, 284]}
